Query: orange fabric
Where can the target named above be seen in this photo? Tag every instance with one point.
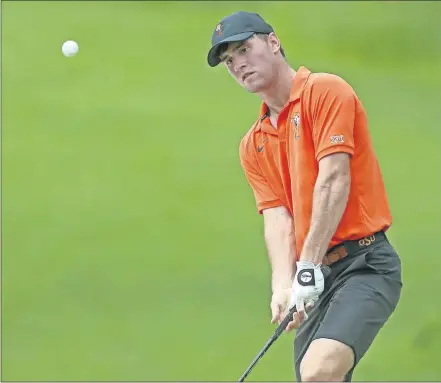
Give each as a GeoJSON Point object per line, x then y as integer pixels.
{"type": "Point", "coordinates": [323, 116]}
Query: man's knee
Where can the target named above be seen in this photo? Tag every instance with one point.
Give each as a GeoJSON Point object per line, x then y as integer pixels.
{"type": "Point", "coordinates": [319, 374]}
{"type": "Point", "coordinates": [326, 361]}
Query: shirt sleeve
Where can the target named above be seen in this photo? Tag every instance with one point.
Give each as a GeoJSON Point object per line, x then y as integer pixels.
{"type": "Point", "coordinates": [333, 116]}
{"type": "Point", "coordinates": [263, 194]}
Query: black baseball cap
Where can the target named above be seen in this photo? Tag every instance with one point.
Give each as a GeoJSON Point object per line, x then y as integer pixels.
{"type": "Point", "coordinates": [238, 26]}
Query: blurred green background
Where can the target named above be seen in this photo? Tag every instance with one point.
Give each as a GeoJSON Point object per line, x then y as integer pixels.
{"type": "Point", "coordinates": [131, 245]}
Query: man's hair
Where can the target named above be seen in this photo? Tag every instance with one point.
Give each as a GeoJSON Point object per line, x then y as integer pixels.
{"type": "Point", "coordinates": [264, 36]}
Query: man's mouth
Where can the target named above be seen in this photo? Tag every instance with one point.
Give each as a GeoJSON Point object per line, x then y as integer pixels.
{"type": "Point", "coordinates": [246, 75]}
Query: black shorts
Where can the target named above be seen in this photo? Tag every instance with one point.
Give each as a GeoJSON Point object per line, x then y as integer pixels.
{"type": "Point", "coordinates": [360, 294]}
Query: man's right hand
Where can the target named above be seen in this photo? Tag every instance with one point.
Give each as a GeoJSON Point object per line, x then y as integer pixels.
{"type": "Point", "coordinates": [280, 308]}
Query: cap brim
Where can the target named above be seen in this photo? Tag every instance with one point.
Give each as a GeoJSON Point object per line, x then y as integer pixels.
{"type": "Point", "coordinates": [213, 55]}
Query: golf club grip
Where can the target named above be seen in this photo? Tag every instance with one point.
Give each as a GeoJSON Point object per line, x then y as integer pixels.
{"type": "Point", "coordinates": [282, 326]}
{"type": "Point", "coordinates": [286, 320]}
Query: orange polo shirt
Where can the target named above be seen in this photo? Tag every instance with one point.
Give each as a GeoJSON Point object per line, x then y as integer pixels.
{"type": "Point", "coordinates": [323, 116]}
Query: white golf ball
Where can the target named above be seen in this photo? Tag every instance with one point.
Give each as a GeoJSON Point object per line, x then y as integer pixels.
{"type": "Point", "coordinates": [69, 48]}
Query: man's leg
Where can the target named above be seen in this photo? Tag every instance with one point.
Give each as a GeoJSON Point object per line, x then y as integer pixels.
{"type": "Point", "coordinates": [357, 311]}
{"type": "Point", "coordinates": [326, 360]}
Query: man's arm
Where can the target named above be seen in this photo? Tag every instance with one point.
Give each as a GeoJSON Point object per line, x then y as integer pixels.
{"type": "Point", "coordinates": [333, 113]}
{"type": "Point", "coordinates": [330, 197]}
{"type": "Point", "coordinates": [280, 242]}
{"type": "Point", "coordinates": [278, 232]}
{"type": "Point", "coordinates": [281, 245]}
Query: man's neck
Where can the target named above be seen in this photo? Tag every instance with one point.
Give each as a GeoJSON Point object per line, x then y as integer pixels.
{"type": "Point", "coordinates": [277, 95]}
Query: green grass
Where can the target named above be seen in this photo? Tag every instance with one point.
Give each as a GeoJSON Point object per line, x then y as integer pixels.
{"type": "Point", "coordinates": [131, 247]}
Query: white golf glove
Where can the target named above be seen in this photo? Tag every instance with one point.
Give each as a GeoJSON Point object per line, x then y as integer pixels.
{"type": "Point", "coordinates": [307, 287]}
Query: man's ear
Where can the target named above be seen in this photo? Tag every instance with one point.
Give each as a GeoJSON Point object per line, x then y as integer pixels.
{"type": "Point", "coordinates": [274, 42]}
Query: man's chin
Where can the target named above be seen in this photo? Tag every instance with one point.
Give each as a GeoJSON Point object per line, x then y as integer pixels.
{"type": "Point", "coordinates": [253, 88]}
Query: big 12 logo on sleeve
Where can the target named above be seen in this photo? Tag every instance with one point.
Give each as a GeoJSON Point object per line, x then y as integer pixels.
{"type": "Point", "coordinates": [338, 139]}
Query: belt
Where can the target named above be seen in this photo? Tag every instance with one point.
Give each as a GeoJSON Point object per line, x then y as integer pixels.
{"type": "Point", "coordinates": [342, 250]}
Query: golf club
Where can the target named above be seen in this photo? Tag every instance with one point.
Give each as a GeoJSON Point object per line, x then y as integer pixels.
{"type": "Point", "coordinates": [279, 330]}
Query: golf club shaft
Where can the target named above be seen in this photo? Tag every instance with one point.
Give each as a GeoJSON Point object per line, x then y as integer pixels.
{"type": "Point", "coordinates": [279, 330]}
{"type": "Point", "coordinates": [326, 270]}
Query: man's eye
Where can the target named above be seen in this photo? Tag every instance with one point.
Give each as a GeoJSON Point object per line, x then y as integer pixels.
{"type": "Point", "coordinates": [243, 49]}
{"type": "Point", "coordinates": [228, 61]}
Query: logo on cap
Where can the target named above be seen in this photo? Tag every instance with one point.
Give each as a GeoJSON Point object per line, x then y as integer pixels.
{"type": "Point", "coordinates": [219, 30]}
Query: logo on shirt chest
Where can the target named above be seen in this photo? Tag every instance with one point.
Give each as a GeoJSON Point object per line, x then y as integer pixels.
{"type": "Point", "coordinates": [261, 147]}
{"type": "Point", "coordinates": [295, 123]}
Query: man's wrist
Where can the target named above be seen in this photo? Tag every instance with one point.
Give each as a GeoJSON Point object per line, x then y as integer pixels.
{"type": "Point", "coordinates": [306, 264]}
{"type": "Point", "coordinates": [284, 283]}
{"type": "Point", "coordinates": [314, 257]}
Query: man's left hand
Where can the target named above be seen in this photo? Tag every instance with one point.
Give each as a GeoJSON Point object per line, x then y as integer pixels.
{"type": "Point", "coordinates": [307, 287]}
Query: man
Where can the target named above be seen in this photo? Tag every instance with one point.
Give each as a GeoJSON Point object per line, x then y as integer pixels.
{"type": "Point", "coordinates": [312, 168]}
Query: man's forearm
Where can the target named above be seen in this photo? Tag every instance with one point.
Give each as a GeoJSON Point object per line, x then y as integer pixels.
{"type": "Point", "coordinates": [281, 245]}
{"type": "Point", "coordinates": [329, 203]}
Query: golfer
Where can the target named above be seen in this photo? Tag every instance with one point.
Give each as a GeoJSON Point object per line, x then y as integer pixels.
{"type": "Point", "coordinates": [316, 180]}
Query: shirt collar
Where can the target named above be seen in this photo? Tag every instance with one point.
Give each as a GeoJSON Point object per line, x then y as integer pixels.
{"type": "Point", "coordinates": [298, 84]}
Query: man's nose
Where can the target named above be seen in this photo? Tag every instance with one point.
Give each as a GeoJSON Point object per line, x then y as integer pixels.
{"type": "Point", "coordinates": [239, 65]}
